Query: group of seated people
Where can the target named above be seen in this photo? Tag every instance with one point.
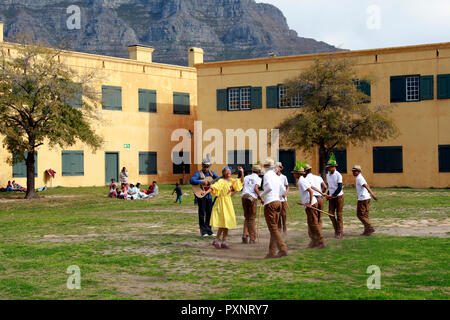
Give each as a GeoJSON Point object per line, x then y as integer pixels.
{"type": "Point", "coordinates": [13, 187]}
{"type": "Point", "coordinates": [132, 192]}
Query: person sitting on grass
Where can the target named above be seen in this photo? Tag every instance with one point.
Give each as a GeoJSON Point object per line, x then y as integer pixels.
{"type": "Point", "coordinates": [124, 193]}
{"type": "Point", "coordinates": [141, 195]}
{"type": "Point", "coordinates": [18, 187]}
{"type": "Point", "coordinates": [178, 191]}
{"type": "Point", "coordinates": [112, 193]}
{"type": "Point", "coordinates": [132, 192]}
{"type": "Point", "coordinates": [113, 184]}
{"type": "Point", "coordinates": [155, 190]}
{"type": "Point", "coordinates": [9, 187]}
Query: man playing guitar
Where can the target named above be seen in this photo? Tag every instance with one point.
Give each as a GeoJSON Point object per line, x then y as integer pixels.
{"type": "Point", "coordinates": [205, 204]}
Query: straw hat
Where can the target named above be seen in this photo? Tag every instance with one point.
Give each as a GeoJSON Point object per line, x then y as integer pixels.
{"type": "Point", "coordinates": [307, 167]}
{"type": "Point", "coordinates": [280, 165]}
{"type": "Point", "coordinates": [269, 163]}
{"type": "Point", "coordinates": [357, 168]}
{"type": "Point", "coordinates": [256, 168]}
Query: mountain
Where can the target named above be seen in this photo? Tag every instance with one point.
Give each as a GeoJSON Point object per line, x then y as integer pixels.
{"type": "Point", "coordinates": [225, 29]}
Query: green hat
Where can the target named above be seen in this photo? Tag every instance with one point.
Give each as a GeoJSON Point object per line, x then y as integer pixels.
{"type": "Point", "coordinates": [332, 162]}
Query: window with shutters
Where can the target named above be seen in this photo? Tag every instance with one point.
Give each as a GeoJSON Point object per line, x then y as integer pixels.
{"type": "Point", "coordinates": [239, 99]}
{"type": "Point", "coordinates": [112, 98]}
{"type": "Point", "coordinates": [413, 88]}
{"type": "Point", "coordinates": [72, 163]}
{"type": "Point", "coordinates": [147, 100]}
{"type": "Point", "coordinates": [387, 159]}
{"type": "Point", "coordinates": [148, 163]}
{"type": "Point", "coordinates": [444, 158]}
{"type": "Point", "coordinates": [242, 158]}
{"type": "Point", "coordinates": [20, 168]}
{"type": "Point", "coordinates": [283, 102]}
{"type": "Point", "coordinates": [181, 103]}
{"type": "Point", "coordinates": [341, 159]}
{"type": "Point", "coordinates": [184, 166]}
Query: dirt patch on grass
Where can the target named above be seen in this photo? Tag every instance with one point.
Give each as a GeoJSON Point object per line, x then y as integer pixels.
{"type": "Point", "coordinates": [155, 288]}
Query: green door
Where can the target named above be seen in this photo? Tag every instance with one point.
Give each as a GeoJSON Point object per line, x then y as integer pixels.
{"type": "Point", "coordinates": [111, 166]}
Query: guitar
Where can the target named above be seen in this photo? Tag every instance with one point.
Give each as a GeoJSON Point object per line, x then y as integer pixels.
{"type": "Point", "coordinates": [200, 189]}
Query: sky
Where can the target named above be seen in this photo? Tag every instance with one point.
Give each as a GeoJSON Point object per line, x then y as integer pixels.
{"type": "Point", "coordinates": [368, 24]}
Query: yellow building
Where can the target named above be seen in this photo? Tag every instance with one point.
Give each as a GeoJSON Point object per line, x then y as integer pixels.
{"type": "Point", "coordinates": [151, 100]}
{"type": "Point", "coordinates": [245, 94]}
{"type": "Point", "coordinates": [144, 102]}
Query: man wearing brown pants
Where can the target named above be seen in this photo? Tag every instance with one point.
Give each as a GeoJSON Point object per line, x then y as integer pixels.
{"type": "Point", "coordinates": [364, 192]}
{"type": "Point", "coordinates": [250, 196]}
{"type": "Point", "coordinates": [335, 199]}
{"type": "Point", "coordinates": [282, 223]}
{"type": "Point", "coordinates": [272, 209]}
{"type": "Point", "coordinates": [314, 218]}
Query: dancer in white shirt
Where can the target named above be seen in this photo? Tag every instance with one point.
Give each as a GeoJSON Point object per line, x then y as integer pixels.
{"type": "Point", "coordinates": [282, 223]}
{"type": "Point", "coordinates": [272, 209]}
{"type": "Point", "coordinates": [364, 192]}
{"type": "Point", "coordinates": [250, 196]}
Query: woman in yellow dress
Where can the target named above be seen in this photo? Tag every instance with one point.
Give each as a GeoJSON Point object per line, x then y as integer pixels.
{"type": "Point", "coordinates": [223, 216]}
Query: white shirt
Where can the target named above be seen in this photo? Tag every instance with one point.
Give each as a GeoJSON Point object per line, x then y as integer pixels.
{"type": "Point", "coordinates": [362, 192]}
{"type": "Point", "coordinates": [333, 180]}
{"type": "Point", "coordinates": [250, 182]}
{"type": "Point", "coordinates": [303, 186]}
{"type": "Point", "coordinates": [284, 184]}
{"type": "Point", "coordinates": [272, 187]}
{"type": "Point", "coordinates": [316, 182]}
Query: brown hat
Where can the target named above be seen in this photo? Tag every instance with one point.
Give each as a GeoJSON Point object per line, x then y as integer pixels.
{"type": "Point", "coordinates": [256, 168]}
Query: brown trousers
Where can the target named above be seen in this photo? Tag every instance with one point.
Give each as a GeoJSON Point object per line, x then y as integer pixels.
{"type": "Point", "coordinates": [249, 204]}
{"type": "Point", "coordinates": [362, 212]}
{"type": "Point", "coordinates": [314, 219]}
{"type": "Point", "coordinates": [320, 203]}
{"type": "Point", "coordinates": [282, 222]}
{"type": "Point", "coordinates": [335, 208]}
{"type": "Point", "coordinates": [272, 214]}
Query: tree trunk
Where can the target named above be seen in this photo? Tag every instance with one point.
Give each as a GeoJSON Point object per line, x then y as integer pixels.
{"type": "Point", "coordinates": [323, 162]}
{"type": "Point", "coordinates": [30, 160]}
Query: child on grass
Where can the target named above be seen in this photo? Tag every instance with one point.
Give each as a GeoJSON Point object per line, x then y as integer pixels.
{"type": "Point", "coordinates": [178, 191]}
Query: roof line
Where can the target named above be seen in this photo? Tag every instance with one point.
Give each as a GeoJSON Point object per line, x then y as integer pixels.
{"type": "Point", "coordinates": [326, 54]}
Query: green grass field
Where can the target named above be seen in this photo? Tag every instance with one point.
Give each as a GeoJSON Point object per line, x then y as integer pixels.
{"type": "Point", "coordinates": [151, 249]}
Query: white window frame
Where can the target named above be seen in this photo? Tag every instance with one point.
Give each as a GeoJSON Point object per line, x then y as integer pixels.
{"type": "Point", "coordinates": [239, 98]}
{"type": "Point", "coordinates": [413, 88]}
{"type": "Point", "coordinates": [296, 101]}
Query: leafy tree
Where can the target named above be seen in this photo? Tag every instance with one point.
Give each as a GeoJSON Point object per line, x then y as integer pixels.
{"type": "Point", "coordinates": [334, 112]}
{"type": "Point", "coordinates": [38, 95]}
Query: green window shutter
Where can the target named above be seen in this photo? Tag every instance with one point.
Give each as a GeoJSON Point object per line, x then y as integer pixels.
{"type": "Point", "coordinates": [20, 168]}
{"type": "Point", "coordinates": [365, 88]}
{"type": "Point", "coordinates": [256, 97]}
{"type": "Point", "coordinates": [72, 163]}
{"type": "Point", "coordinates": [78, 163]}
{"type": "Point", "coordinates": [147, 100]}
{"type": "Point", "coordinates": [272, 97]}
{"type": "Point", "coordinates": [148, 163]}
{"type": "Point", "coordinates": [181, 103]}
{"type": "Point", "coordinates": [76, 102]}
{"type": "Point", "coordinates": [443, 86]}
{"type": "Point", "coordinates": [387, 160]}
{"type": "Point", "coordinates": [426, 88]}
{"type": "Point", "coordinates": [398, 89]}
{"type": "Point", "coordinates": [444, 158]}
{"type": "Point", "coordinates": [112, 98]}
{"type": "Point", "coordinates": [222, 100]}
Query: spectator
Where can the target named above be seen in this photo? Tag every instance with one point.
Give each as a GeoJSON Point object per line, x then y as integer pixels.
{"type": "Point", "coordinates": [124, 176]}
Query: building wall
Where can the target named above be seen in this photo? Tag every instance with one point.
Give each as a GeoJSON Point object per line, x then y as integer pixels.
{"type": "Point", "coordinates": [145, 132]}
{"type": "Point", "coordinates": [423, 125]}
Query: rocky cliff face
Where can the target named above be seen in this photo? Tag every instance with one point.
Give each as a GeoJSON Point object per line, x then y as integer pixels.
{"type": "Point", "coordinates": [225, 29]}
